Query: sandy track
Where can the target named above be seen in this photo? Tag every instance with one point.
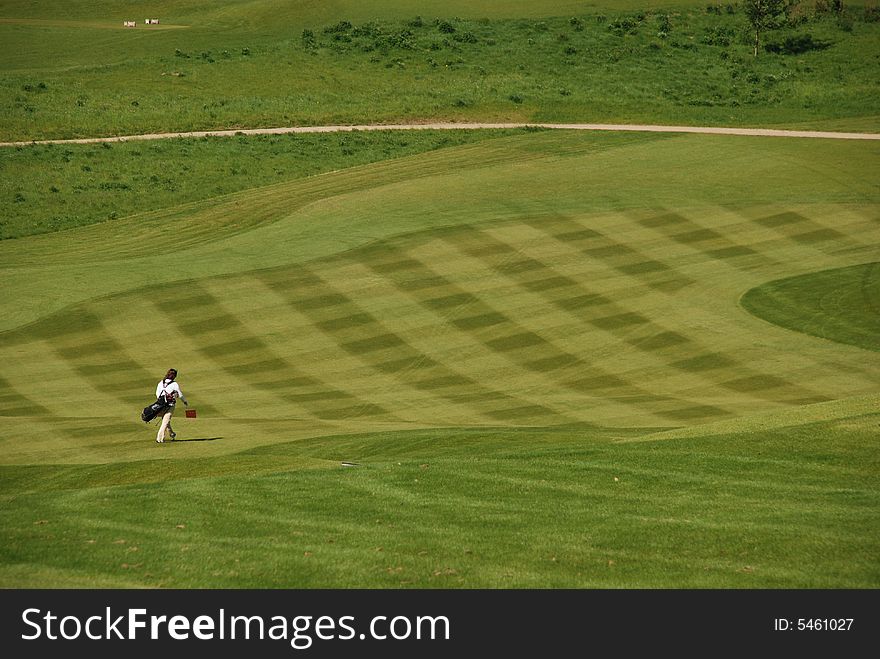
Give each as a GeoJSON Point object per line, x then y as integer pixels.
{"type": "Point", "coordinates": [760, 132]}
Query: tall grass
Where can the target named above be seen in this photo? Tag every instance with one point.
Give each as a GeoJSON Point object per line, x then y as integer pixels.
{"type": "Point", "coordinates": [52, 188]}
{"type": "Point", "coordinates": [676, 65]}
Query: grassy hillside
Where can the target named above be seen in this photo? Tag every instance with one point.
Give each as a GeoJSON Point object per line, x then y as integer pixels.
{"type": "Point", "coordinates": [52, 188]}
{"type": "Point", "coordinates": [78, 72]}
{"type": "Point", "coordinates": [488, 330]}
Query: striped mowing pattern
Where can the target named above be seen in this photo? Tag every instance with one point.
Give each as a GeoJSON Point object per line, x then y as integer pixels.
{"type": "Point", "coordinates": [615, 319]}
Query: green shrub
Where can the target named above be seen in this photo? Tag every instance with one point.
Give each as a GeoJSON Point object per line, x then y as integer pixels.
{"type": "Point", "coordinates": [796, 44]}
{"type": "Point", "coordinates": [624, 25]}
{"type": "Point", "coordinates": [340, 27]}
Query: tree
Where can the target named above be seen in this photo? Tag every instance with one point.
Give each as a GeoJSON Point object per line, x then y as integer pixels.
{"type": "Point", "coordinates": [765, 15]}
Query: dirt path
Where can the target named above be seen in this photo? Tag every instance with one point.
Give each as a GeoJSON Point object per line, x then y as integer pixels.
{"type": "Point", "coordinates": [762, 132]}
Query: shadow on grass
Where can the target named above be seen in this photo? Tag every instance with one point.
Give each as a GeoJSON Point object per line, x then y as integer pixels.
{"type": "Point", "coordinates": [195, 439]}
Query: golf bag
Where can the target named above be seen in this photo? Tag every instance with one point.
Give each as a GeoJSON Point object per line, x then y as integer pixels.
{"type": "Point", "coordinates": [154, 409]}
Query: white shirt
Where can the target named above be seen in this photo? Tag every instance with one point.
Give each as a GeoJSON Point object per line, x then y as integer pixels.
{"type": "Point", "coordinates": [166, 387]}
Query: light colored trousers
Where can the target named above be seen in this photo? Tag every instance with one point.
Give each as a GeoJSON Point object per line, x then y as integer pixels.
{"type": "Point", "coordinates": [166, 423]}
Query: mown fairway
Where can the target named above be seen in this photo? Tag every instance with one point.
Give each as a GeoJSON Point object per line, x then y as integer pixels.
{"type": "Point", "coordinates": [532, 346]}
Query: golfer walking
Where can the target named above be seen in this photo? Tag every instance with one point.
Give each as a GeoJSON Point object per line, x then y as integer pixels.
{"type": "Point", "coordinates": [168, 388]}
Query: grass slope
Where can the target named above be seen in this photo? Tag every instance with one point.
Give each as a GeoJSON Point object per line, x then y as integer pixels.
{"type": "Point", "coordinates": [246, 64]}
{"type": "Point", "coordinates": [462, 508]}
{"type": "Point", "coordinates": [495, 332]}
{"type": "Point", "coordinates": [52, 188]}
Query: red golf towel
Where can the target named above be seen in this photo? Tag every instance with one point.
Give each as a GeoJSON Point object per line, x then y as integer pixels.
{"type": "Point", "coordinates": [190, 414]}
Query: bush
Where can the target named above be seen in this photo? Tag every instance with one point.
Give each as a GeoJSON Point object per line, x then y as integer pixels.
{"type": "Point", "coordinates": [622, 26]}
{"type": "Point", "coordinates": [718, 36]}
{"type": "Point", "coordinates": [466, 37]}
{"type": "Point", "coordinates": [845, 22]}
{"type": "Point", "coordinates": [340, 27]}
{"type": "Point", "coordinates": [796, 44]}
{"type": "Point", "coordinates": [664, 25]}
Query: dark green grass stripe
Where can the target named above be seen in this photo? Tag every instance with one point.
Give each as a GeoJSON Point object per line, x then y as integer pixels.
{"type": "Point", "coordinates": [620, 320]}
{"type": "Point", "coordinates": [487, 319]}
{"type": "Point", "coordinates": [816, 236]}
{"type": "Point", "coordinates": [14, 403]}
{"type": "Point", "coordinates": [185, 302]}
{"type": "Point", "coordinates": [345, 322]}
{"type": "Point", "coordinates": [705, 361]}
{"type": "Point", "coordinates": [660, 341]}
{"type": "Point", "coordinates": [695, 413]}
{"type": "Point", "coordinates": [700, 235]}
{"type": "Point", "coordinates": [582, 301]}
{"type": "Point", "coordinates": [575, 236]}
{"type": "Point", "coordinates": [778, 220]}
{"type": "Point", "coordinates": [550, 283]}
{"type": "Point", "coordinates": [451, 301]}
{"type": "Point", "coordinates": [410, 363]}
{"type": "Point", "coordinates": [517, 341]}
{"type": "Point", "coordinates": [802, 230]}
{"type": "Point", "coordinates": [385, 341]}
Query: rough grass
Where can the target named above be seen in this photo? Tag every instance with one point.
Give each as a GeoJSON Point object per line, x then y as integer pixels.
{"type": "Point", "coordinates": [671, 65]}
{"type": "Point", "coordinates": [53, 188]}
